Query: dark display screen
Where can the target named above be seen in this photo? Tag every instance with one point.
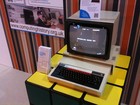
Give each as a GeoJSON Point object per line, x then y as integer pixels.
{"type": "Point", "coordinates": [88, 40]}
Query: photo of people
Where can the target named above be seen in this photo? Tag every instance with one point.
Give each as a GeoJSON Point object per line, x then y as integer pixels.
{"type": "Point", "coordinates": [42, 21]}
{"type": "Point", "coordinates": [42, 17]}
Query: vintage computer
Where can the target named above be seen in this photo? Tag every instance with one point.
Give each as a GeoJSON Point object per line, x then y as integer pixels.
{"type": "Point", "coordinates": [91, 53]}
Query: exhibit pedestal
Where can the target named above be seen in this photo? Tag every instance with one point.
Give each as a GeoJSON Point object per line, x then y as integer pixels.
{"type": "Point", "coordinates": [43, 92]}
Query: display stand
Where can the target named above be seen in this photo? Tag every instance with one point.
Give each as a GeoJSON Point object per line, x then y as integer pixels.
{"type": "Point", "coordinates": [40, 90]}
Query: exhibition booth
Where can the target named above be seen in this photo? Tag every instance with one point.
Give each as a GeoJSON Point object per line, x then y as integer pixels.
{"type": "Point", "coordinates": [70, 52]}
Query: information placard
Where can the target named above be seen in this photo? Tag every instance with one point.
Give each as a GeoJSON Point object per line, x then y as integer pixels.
{"type": "Point", "coordinates": [90, 9]}
{"type": "Point", "coordinates": [38, 16]}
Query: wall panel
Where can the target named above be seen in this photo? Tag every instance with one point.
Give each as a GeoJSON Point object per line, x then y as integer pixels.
{"type": "Point", "coordinates": [5, 58]}
{"type": "Point", "coordinates": [8, 36]}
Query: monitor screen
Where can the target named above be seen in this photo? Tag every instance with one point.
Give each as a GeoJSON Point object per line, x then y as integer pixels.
{"type": "Point", "coordinates": [87, 40]}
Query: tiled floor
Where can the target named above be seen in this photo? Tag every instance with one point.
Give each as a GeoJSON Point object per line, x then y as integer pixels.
{"type": "Point", "coordinates": [12, 86]}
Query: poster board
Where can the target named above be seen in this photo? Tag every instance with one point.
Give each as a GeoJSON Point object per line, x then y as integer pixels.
{"type": "Point", "coordinates": [38, 16]}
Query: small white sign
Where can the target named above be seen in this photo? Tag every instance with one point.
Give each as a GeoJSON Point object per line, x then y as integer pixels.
{"type": "Point", "coordinates": [90, 9]}
{"type": "Point", "coordinates": [46, 3]}
{"type": "Point", "coordinates": [16, 1]}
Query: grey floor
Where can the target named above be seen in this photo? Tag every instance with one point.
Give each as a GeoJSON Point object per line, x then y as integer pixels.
{"type": "Point", "coordinates": [12, 86]}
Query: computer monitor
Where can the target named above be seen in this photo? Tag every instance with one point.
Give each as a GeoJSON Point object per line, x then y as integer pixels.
{"type": "Point", "coordinates": [90, 37]}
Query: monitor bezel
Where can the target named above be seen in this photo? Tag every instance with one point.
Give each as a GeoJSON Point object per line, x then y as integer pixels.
{"type": "Point", "coordinates": [107, 26]}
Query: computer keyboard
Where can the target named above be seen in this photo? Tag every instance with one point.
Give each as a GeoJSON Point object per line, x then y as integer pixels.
{"type": "Point", "coordinates": [92, 80]}
{"type": "Point", "coordinates": [86, 80]}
